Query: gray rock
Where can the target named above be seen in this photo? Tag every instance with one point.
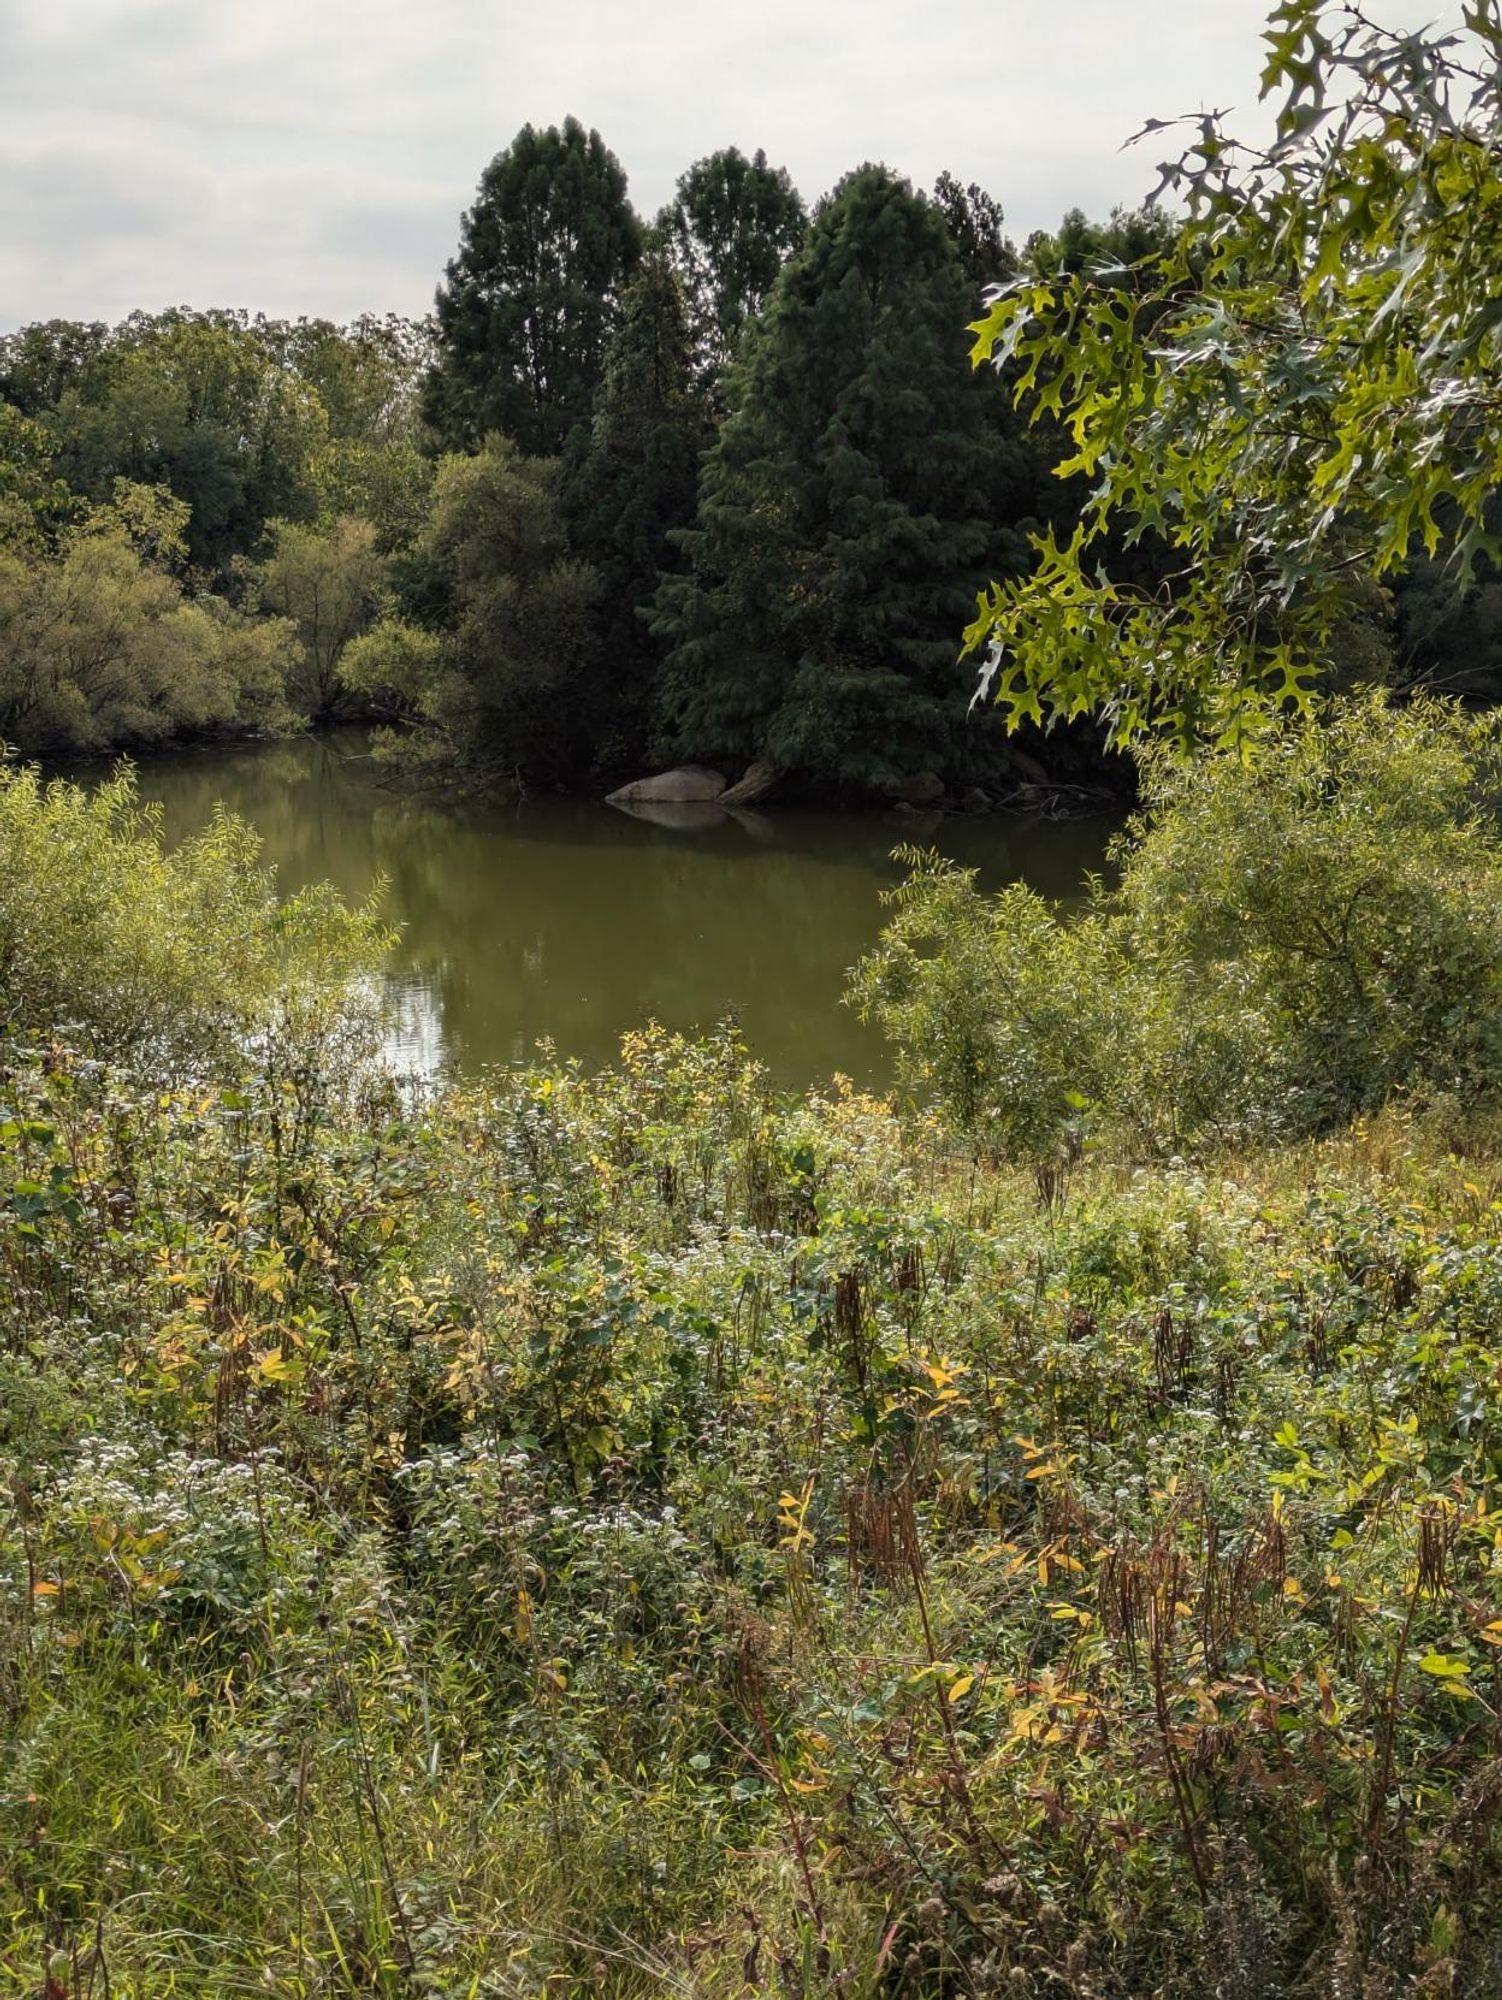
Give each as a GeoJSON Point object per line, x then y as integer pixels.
{"type": "Point", "coordinates": [681, 817]}
{"type": "Point", "coordinates": [926, 788]}
{"type": "Point", "coordinates": [754, 783]}
{"type": "Point", "coordinates": [688, 785]}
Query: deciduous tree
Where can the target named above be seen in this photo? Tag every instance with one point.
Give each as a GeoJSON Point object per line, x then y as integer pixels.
{"type": "Point", "coordinates": [331, 583]}
{"type": "Point", "coordinates": [731, 226]}
{"type": "Point", "coordinates": [100, 647]}
{"type": "Point", "coordinates": [1288, 395]}
{"type": "Point", "coordinates": [201, 404]}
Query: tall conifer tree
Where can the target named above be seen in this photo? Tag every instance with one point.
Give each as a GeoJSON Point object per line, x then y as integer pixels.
{"type": "Point", "coordinates": [857, 497]}
{"type": "Point", "coordinates": [634, 487]}
{"type": "Point", "coordinates": [527, 306]}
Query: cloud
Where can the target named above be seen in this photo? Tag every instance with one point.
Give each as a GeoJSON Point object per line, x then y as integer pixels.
{"type": "Point", "coordinates": [316, 155]}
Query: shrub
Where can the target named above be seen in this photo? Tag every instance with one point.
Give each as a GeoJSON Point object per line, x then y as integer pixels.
{"type": "Point", "coordinates": [100, 646]}
{"type": "Point", "coordinates": [172, 961]}
{"type": "Point", "coordinates": [1294, 939]}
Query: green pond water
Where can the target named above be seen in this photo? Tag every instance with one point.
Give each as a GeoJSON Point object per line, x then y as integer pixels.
{"type": "Point", "coordinates": [567, 919]}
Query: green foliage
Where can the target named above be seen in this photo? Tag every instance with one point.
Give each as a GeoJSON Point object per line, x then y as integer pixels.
{"type": "Point", "coordinates": [396, 668]}
{"type": "Point", "coordinates": [1129, 237]}
{"type": "Point", "coordinates": [851, 501]}
{"type": "Point", "coordinates": [388, 485]}
{"type": "Point", "coordinates": [504, 687]}
{"type": "Point", "coordinates": [1008, 1015]}
{"type": "Point", "coordinates": [201, 404]}
{"type": "Point", "coordinates": [177, 961]}
{"type": "Point", "coordinates": [331, 583]}
{"type": "Point", "coordinates": [244, 420]}
{"type": "Point", "coordinates": [628, 492]}
{"type": "Point", "coordinates": [974, 221]}
{"type": "Point", "coordinates": [1446, 638]}
{"type": "Point", "coordinates": [1288, 394]}
{"type": "Point", "coordinates": [100, 646]}
{"type": "Point", "coordinates": [307, 434]}
{"type": "Point", "coordinates": [528, 303]}
{"type": "Point", "coordinates": [633, 1534]}
{"type": "Point", "coordinates": [730, 227]}
{"type": "Point", "coordinates": [368, 375]}
{"type": "Point", "coordinates": [1294, 938]}
{"type": "Point", "coordinates": [32, 501]}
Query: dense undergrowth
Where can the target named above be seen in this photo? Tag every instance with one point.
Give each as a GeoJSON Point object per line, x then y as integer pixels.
{"type": "Point", "coordinates": [639, 1535]}
{"type": "Point", "coordinates": [1290, 941]}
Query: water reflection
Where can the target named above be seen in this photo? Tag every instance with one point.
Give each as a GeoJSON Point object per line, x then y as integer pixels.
{"type": "Point", "coordinates": [567, 919]}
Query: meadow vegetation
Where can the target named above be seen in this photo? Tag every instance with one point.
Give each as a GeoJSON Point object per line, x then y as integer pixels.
{"type": "Point", "coordinates": [639, 1534]}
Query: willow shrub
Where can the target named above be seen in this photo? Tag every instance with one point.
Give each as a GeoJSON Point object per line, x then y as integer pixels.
{"type": "Point", "coordinates": [1293, 939]}
{"type": "Point", "coordinates": [100, 646]}
{"type": "Point", "coordinates": [170, 960]}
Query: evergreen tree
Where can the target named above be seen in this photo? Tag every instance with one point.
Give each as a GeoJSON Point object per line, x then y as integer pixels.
{"type": "Point", "coordinates": [528, 304]}
{"type": "Point", "coordinates": [858, 494]}
{"type": "Point", "coordinates": [632, 488]}
{"type": "Point", "coordinates": [731, 226]}
{"type": "Point", "coordinates": [974, 221]}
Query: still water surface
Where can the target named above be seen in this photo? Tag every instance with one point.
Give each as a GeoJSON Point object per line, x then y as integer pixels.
{"type": "Point", "coordinates": [566, 919]}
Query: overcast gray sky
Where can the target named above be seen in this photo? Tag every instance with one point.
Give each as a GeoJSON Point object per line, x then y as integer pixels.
{"type": "Point", "coordinates": [314, 156]}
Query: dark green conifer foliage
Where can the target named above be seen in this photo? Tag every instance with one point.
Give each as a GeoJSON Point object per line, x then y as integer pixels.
{"type": "Point", "coordinates": [974, 220]}
{"type": "Point", "coordinates": [528, 304]}
{"type": "Point", "coordinates": [730, 226]}
{"type": "Point", "coordinates": [848, 512]}
{"type": "Point", "coordinates": [632, 487]}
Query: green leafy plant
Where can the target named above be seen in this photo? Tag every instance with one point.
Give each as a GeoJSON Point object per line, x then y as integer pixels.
{"type": "Point", "coordinates": [1286, 395]}
{"type": "Point", "coordinates": [1293, 939]}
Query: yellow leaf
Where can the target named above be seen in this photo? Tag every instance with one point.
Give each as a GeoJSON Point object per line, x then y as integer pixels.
{"type": "Point", "coordinates": [962, 1686]}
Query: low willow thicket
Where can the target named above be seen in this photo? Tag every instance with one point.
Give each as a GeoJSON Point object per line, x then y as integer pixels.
{"type": "Point", "coordinates": [641, 1534]}
{"type": "Point", "coordinates": [1289, 941]}
{"type": "Point", "coordinates": [181, 962]}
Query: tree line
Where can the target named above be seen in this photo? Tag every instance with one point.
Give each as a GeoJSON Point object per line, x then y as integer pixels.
{"type": "Point", "coordinates": [721, 486]}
